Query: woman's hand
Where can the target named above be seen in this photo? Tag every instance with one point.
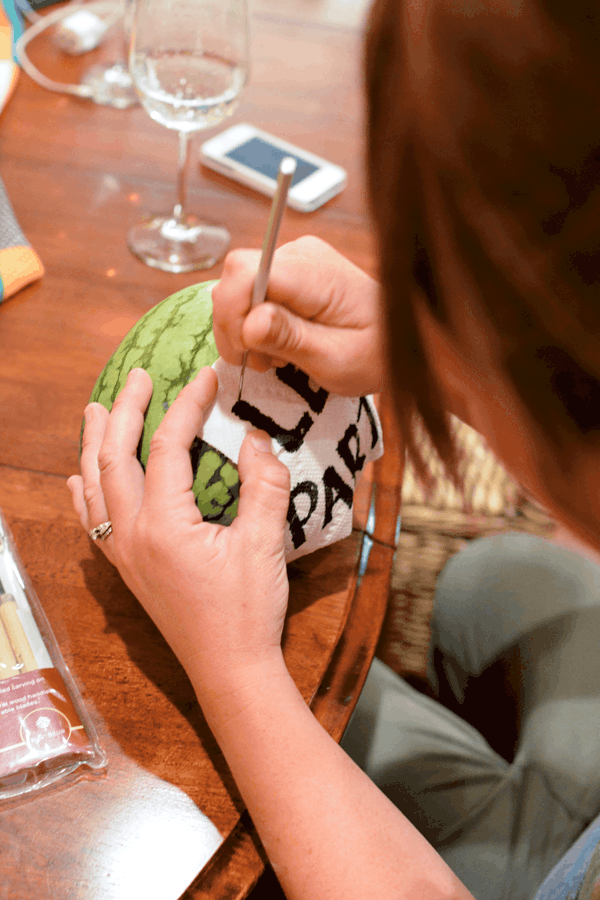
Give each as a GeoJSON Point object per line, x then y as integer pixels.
{"type": "Point", "coordinates": [218, 595]}
{"type": "Point", "coordinates": [323, 315]}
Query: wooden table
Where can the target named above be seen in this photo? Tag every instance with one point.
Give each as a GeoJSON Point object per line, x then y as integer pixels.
{"type": "Point", "coordinates": [79, 175]}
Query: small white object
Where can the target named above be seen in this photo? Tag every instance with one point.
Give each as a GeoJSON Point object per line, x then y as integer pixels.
{"type": "Point", "coordinates": [105, 8]}
{"type": "Point", "coordinates": [252, 156]}
{"type": "Point", "coordinates": [80, 32]}
{"type": "Point", "coordinates": [7, 79]}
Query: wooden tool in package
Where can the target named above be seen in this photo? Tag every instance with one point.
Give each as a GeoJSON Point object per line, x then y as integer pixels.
{"type": "Point", "coordinates": [46, 735]}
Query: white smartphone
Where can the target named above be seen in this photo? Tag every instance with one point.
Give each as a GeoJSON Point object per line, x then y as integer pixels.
{"type": "Point", "coordinates": [252, 156]}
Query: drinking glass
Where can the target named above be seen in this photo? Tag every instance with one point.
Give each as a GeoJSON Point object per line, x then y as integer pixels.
{"type": "Point", "coordinates": [189, 63]}
{"type": "Point", "coordinates": [113, 85]}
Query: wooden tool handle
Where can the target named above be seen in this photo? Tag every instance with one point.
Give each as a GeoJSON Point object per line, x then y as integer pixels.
{"type": "Point", "coordinates": [9, 616]}
{"type": "Point", "coordinates": [8, 660]}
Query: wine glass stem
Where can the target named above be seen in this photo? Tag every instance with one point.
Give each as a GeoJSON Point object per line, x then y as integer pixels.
{"type": "Point", "coordinates": [184, 158]}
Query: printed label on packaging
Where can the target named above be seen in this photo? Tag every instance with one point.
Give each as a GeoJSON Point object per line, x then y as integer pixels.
{"type": "Point", "coordinates": [38, 721]}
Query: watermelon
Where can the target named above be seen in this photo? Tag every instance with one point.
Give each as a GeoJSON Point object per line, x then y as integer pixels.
{"type": "Point", "coordinates": [172, 342]}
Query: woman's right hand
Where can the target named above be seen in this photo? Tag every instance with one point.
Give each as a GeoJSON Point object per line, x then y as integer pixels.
{"type": "Point", "coordinates": [322, 314]}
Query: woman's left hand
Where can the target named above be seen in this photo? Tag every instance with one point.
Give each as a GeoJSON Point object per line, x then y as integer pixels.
{"type": "Point", "coordinates": [218, 594]}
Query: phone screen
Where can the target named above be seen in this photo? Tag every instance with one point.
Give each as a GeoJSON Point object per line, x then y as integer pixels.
{"type": "Point", "coordinates": [266, 158]}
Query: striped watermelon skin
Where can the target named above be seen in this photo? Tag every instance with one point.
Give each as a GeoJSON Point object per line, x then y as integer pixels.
{"type": "Point", "coordinates": [172, 342]}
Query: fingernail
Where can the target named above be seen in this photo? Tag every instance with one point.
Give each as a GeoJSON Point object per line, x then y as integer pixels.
{"type": "Point", "coordinates": [88, 414]}
{"type": "Point", "coordinates": [261, 442]}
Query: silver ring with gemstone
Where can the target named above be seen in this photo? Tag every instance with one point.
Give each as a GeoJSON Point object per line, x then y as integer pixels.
{"type": "Point", "coordinates": [101, 532]}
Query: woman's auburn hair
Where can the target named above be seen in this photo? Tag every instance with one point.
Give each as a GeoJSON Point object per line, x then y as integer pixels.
{"type": "Point", "coordinates": [484, 137]}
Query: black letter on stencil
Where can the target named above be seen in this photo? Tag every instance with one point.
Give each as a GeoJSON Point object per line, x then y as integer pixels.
{"type": "Point", "coordinates": [298, 381]}
{"type": "Point", "coordinates": [335, 489]}
{"type": "Point", "coordinates": [290, 439]}
{"type": "Point", "coordinates": [295, 522]}
{"type": "Point", "coordinates": [355, 462]}
{"type": "Point", "coordinates": [363, 403]}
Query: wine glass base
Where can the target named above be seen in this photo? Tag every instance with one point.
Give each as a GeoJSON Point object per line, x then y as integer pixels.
{"type": "Point", "coordinates": [173, 245]}
{"type": "Point", "coordinates": [111, 86]}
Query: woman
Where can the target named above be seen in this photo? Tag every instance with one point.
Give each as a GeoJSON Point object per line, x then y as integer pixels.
{"type": "Point", "coordinates": [483, 167]}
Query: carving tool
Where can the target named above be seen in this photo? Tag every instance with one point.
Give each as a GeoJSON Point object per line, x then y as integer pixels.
{"type": "Point", "coordinates": [9, 619]}
{"type": "Point", "coordinates": [287, 169]}
{"type": "Point", "coordinates": [7, 657]}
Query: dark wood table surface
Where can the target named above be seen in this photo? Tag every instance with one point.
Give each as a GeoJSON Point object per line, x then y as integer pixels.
{"type": "Point", "coordinates": [78, 175]}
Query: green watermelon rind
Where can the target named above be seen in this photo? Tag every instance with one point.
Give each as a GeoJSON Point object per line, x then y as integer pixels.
{"type": "Point", "coordinates": [216, 483]}
{"type": "Point", "coordinates": [166, 344]}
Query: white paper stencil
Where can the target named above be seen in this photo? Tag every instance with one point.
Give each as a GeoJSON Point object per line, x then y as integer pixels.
{"type": "Point", "coordinates": [324, 440]}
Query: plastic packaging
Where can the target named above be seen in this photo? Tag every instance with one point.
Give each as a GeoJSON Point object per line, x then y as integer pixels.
{"type": "Point", "coordinates": [46, 735]}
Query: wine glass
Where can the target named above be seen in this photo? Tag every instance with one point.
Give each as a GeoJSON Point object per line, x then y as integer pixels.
{"type": "Point", "coordinates": [189, 63]}
{"type": "Point", "coordinates": [113, 85]}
